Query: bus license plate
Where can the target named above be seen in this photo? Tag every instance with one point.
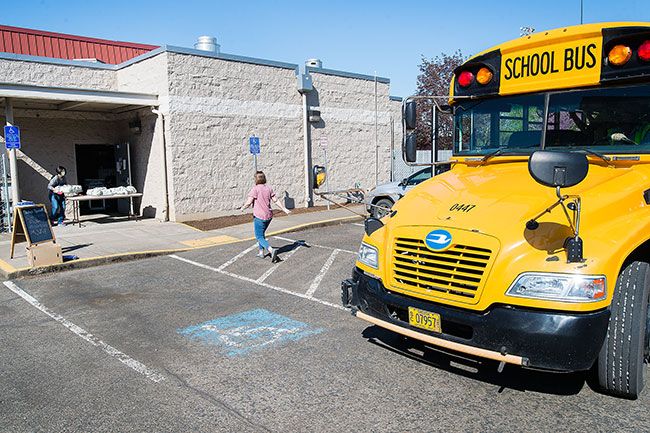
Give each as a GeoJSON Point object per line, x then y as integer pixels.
{"type": "Point", "coordinates": [424, 319]}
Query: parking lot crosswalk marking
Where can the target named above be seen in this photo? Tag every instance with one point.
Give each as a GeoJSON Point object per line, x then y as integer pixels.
{"type": "Point", "coordinates": [272, 269]}
{"type": "Point", "coordinates": [316, 245]}
{"type": "Point", "coordinates": [237, 257]}
{"type": "Point", "coordinates": [90, 338]}
{"type": "Point", "coordinates": [263, 284]}
{"type": "Point", "coordinates": [328, 263]}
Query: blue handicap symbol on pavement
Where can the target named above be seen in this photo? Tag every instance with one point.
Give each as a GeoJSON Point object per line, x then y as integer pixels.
{"type": "Point", "coordinates": [239, 334]}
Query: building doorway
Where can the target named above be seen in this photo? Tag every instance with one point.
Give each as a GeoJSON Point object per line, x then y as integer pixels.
{"type": "Point", "coordinates": [102, 165]}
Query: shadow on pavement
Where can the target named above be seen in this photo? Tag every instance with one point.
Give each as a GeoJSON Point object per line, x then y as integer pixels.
{"type": "Point", "coordinates": [512, 377]}
{"type": "Point", "coordinates": [293, 246]}
{"type": "Point", "coordinates": [74, 247]}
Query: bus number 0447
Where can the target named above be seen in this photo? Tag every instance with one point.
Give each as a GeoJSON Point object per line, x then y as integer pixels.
{"type": "Point", "coordinates": [460, 207]}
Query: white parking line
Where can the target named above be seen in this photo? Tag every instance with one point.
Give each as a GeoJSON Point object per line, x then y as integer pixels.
{"type": "Point", "coordinates": [272, 269]}
{"type": "Point", "coordinates": [326, 266]}
{"type": "Point", "coordinates": [358, 224]}
{"type": "Point", "coordinates": [237, 257]}
{"type": "Point", "coordinates": [90, 338]}
{"type": "Point", "coordinates": [263, 284]}
{"type": "Point", "coordinates": [309, 244]}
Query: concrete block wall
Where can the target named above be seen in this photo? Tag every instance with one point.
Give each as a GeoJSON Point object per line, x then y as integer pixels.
{"type": "Point", "coordinates": [147, 165]}
{"type": "Point", "coordinates": [56, 75]}
{"type": "Point", "coordinates": [347, 108]}
{"type": "Point", "coordinates": [214, 106]}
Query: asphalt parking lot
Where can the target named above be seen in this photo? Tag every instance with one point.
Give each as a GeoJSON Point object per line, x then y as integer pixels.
{"type": "Point", "coordinates": [219, 340]}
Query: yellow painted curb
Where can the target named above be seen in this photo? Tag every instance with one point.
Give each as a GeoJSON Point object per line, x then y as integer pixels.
{"type": "Point", "coordinates": [6, 267]}
{"type": "Point", "coordinates": [211, 241]}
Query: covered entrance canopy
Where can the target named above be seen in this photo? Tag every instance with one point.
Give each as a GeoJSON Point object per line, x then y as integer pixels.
{"type": "Point", "coordinates": [18, 96]}
{"type": "Point", "coordinates": [71, 99]}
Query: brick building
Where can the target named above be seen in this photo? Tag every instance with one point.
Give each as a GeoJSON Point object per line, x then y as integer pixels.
{"type": "Point", "coordinates": [187, 115]}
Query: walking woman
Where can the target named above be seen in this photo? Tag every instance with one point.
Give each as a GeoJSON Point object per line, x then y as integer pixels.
{"type": "Point", "coordinates": [260, 198]}
{"type": "Point", "coordinates": [57, 199]}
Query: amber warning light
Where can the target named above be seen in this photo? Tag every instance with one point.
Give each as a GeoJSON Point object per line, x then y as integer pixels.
{"type": "Point", "coordinates": [619, 55]}
{"type": "Point", "coordinates": [484, 76]}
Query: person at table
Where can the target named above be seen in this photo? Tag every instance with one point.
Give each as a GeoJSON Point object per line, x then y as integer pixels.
{"type": "Point", "coordinates": [57, 199]}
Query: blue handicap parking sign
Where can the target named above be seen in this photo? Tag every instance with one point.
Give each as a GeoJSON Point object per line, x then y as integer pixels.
{"type": "Point", "coordinates": [12, 137]}
{"type": "Point", "coordinates": [254, 143]}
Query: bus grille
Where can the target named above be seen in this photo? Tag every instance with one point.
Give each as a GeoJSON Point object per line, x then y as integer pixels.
{"type": "Point", "coordinates": [455, 273]}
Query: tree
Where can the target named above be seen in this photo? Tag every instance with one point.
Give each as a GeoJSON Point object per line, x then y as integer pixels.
{"type": "Point", "coordinates": [434, 80]}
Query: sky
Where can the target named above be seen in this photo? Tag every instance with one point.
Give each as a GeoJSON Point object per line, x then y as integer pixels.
{"type": "Point", "coordinates": [387, 38]}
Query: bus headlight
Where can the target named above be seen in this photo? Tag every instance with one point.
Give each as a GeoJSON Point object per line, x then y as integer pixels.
{"type": "Point", "coordinates": [368, 255]}
{"type": "Point", "coordinates": [559, 287]}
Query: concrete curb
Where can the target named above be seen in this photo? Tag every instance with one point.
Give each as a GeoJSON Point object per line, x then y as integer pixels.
{"type": "Point", "coordinates": [8, 272]}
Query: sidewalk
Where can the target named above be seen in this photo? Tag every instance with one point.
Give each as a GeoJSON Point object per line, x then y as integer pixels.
{"type": "Point", "coordinates": [109, 241]}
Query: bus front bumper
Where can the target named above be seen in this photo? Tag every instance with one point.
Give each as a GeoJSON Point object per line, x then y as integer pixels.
{"type": "Point", "coordinates": [548, 340]}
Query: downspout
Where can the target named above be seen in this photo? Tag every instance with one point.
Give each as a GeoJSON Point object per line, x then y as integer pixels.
{"type": "Point", "coordinates": [305, 85]}
{"type": "Point", "coordinates": [309, 200]}
{"type": "Point", "coordinates": [161, 116]}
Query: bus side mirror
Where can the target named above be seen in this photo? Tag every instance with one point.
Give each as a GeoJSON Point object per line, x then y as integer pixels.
{"type": "Point", "coordinates": [410, 115]}
{"type": "Point", "coordinates": [561, 170]}
{"type": "Point", "coordinates": [409, 148]}
{"type": "Point", "coordinates": [558, 169]}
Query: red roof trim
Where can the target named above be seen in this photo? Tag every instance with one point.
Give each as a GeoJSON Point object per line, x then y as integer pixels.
{"type": "Point", "coordinates": [77, 38]}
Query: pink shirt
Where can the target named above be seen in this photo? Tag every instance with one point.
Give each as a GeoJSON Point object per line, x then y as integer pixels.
{"type": "Point", "coordinates": [262, 195]}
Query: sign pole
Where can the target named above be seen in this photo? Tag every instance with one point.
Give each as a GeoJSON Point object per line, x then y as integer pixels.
{"type": "Point", "coordinates": [327, 180]}
{"type": "Point", "coordinates": [13, 166]}
{"type": "Point", "coordinates": [324, 142]}
{"type": "Point", "coordinates": [255, 159]}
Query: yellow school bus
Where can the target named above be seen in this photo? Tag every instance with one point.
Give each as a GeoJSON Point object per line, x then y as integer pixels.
{"type": "Point", "coordinates": [534, 249]}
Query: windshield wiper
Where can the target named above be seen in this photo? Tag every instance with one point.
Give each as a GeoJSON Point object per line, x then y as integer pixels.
{"type": "Point", "coordinates": [591, 152]}
{"type": "Point", "coordinates": [492, 154]}
{"type": "Point", "coordinates": [502, 151]}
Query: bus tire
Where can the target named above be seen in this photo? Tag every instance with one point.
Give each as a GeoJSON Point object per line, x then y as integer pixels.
{"type": "Point", "coordinates": [622, 359]}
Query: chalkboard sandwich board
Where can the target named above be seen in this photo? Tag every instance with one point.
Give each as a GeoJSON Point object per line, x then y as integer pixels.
{"type": "Point", "coordinates": [31, 223]}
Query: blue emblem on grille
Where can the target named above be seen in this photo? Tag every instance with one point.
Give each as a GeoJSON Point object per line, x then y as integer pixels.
{"type": "Point", "coordinates": [438, 239]}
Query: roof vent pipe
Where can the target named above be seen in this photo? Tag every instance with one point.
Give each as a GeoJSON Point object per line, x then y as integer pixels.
{"type": "Point", "coordinates": [314, 63]}
{"type": "Point", "coordinates": [207, 43]}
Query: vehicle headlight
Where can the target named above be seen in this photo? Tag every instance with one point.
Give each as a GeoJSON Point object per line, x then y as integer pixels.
{"type": "Point", "coordinates": [368, 255]}
{"type": "Point", "coordinates": [560, 287]}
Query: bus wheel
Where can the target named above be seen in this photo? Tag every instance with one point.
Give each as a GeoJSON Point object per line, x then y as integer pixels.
{"type": "Point", "coordinates": [622, 359]}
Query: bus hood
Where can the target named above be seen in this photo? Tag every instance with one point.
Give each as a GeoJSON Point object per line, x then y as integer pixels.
{"type": "Point", "coordinates": [498, 197]}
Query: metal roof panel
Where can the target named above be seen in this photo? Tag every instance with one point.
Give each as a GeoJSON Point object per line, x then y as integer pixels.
{"type": "Point", "coordinates": [17, 40]}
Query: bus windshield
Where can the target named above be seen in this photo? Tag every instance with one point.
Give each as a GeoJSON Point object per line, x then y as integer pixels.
{"type": "Point", "coordinates": [605, 120]}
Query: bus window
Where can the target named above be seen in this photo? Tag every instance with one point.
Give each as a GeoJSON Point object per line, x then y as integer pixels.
{"type": "Point", "coordinates": [606, 120]}
{"type": "Point", "coordinates": [513, 122]}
